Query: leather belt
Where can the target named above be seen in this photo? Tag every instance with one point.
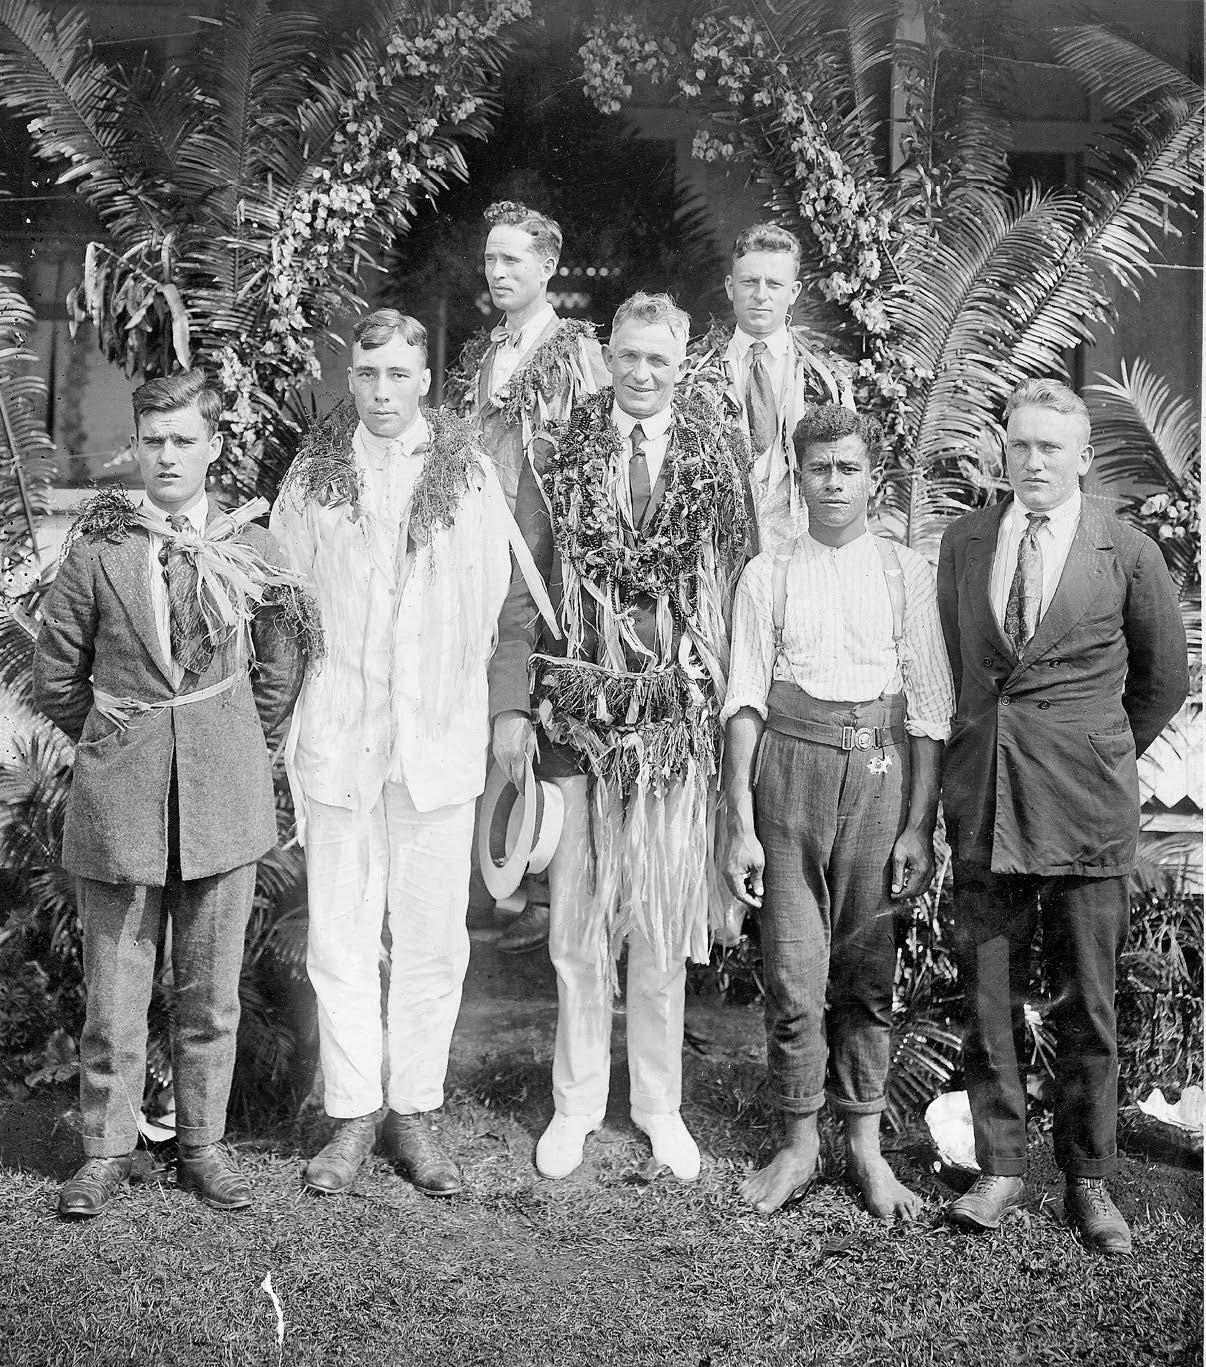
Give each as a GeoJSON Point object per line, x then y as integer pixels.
{"type": "Point", "coordinates": [840, 737]}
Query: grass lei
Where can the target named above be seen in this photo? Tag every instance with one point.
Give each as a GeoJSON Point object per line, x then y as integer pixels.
{"type": "Point", "coordinates": [545, 373]}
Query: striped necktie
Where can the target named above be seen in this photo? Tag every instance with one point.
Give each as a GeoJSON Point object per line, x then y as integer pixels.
{"type": "Point", "coordinates": [638, 477]}
{"type": "Point", "coordinates": [190, 645]}
{"type": "Point", "coordinates": [760, 401]}
{"type": "Point", "coordinates": [1024, 604]}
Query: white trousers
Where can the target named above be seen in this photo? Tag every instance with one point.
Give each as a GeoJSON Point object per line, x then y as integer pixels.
{"type": "Point", "coordinates": [582, 1053]}
{"type": "Point", "coordinates": [414, 867]}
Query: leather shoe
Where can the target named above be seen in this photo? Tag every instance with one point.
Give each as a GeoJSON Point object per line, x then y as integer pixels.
{"type": "Point", "coordinates": [94, 1185]}
{"type": "Point", "coordinates": [559, 1150]}
{"type": "Point", "coordinates": [334, 1167]}
{"type": "Point", "coordinates": [984, 1203]}
{"type": "Point", "coordinates": [671, 1141]}
{"type": "Point", "coordinates": [413, 1142]}
{"type": "Point", "coordinates": [529, 930]}
{"type": "Point", "coordinates": [211, 1172]}
{"type": "Point", "coordinates": [1098, 1221]}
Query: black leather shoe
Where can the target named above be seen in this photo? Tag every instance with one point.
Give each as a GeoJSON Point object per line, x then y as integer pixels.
{"type": "Point", "coordinates": [984, 1203]}
{"type": "Point", "coordinates": [334, 1167]}
{"type": "Point", "coordinates": [214, 1175]}
{"type": "Point", "coordinates": [1098, 1221]}
{"type": "Point", "coordinates": [413, 1142]}
{"type": "Point", "coordinates": [94, 1185]}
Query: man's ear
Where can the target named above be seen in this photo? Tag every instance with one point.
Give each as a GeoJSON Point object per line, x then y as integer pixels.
{"type": "Point", "coordinates": [425, 383]}
{"type": "Point", "coordinates": [606, 350]}
{"type": "Point", "coordinates": [215, 448]}
{"type": "Point", "coordinates": [1085, 460]}
{"type": "Point", "coordinates": [728, 287]}
{"type": "Point", "coordinates": [350, 389]}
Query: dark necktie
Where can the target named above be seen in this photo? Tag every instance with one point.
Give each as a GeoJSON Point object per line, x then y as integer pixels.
{"type": "Point", "coordinates": [638, 476]}
{"type": "Point", "coordinates": [1024, 604]}
{"type": "Point", "coordinates": [760, 401]}
{"type": "Point", "coordinates": [190, 647]}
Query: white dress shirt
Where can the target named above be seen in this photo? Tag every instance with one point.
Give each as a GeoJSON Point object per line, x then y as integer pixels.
{"type": "Point", "coordinates": [837, 634]}
{"type": "Point", "coordinates": [1054, 540]}
{"type": "Point", "coordinates": [657, 436]}
{"type": "Point", "coordinates": [507, 359]}
{"type": "Point", "coordinates": [775, 358]}
{"type": "Point", "coordinates": [197, 513]}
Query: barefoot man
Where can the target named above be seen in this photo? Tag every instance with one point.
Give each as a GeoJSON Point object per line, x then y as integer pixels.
{"type": "Point", "coordinates": [839, 701]}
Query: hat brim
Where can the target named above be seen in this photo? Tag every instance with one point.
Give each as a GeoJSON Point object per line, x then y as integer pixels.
{"type": "Point", "coordinates": [506, 851]}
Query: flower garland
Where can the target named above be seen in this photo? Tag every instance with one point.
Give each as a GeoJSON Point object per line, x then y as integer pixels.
{"type": "Point", "coordinates": [704, 500]}
{"type": "Point", "coordinates": [542, 375]}
{"type": "Point", "coordinates": [369, 182]}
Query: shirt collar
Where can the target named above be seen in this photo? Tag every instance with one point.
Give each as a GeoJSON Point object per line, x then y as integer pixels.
{"type": "Point", "coordinates": [197, 515]}
{"type": "Point", "coordinates": [653, 427]}
{"type": "Point", "coordinates": [535, 325]}
{"type": "Point", "coordinates": [777, 343]}
{"type": "Point", "coordinates": [377, 450]}
{"type": "Point", "coordinates": [1065, 516]}
{"type": "Point", "coordinates": [819, 547]}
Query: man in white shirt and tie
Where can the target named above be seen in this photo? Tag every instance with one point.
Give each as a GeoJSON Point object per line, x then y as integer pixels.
{"type": "Point", "coordinates": [838, 703]}
{"type": "Point", "coordinates": [397, 517]}
{"type": "Point", "coordinates": [1068, 652]}
{"type": "Point", "coordinates": [636, 517]}
{"type": "Point", "coordinates": [769, 370]}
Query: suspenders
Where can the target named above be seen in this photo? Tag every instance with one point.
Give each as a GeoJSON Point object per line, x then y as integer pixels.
{"type": "Point", "coordinates": [893, 576]}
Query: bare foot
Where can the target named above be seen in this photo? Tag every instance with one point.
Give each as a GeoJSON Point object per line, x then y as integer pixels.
{"type": "Point", "coordinates": [793, 1167]}
{"type": "Point", "coordinates": [884, 1196]}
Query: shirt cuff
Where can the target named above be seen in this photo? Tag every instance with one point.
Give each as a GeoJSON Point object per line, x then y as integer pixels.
{"type": "Point", "coordinates": [932, 730]}
{"type": "Point", "coordinates": [734, 703]}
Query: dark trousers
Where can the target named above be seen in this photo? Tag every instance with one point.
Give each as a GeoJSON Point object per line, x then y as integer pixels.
{"type": "Point", "coordinates": [827, 820]}
{"type": "Point", "coordinates": [1084, 926]}
{"type": "Point", "coordinates": [121, 924]}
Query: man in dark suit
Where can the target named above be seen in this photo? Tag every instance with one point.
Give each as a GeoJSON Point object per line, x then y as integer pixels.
{"type": "Point", "coordinates": [167, 657]}
{"type": "Point", "coordinates": [1068, 654]}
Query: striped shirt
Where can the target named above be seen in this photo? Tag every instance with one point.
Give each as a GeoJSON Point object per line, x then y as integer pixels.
{"type": "Point", "coordinates": [837, 634]}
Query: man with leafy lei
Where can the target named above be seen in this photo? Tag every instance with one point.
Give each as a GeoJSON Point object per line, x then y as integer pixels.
{"type": "Point", "coordinates": [635, 512]}
{"type": "Point", "coordinates": [397, 517]}
{"type": "Point", "coordinates": [515, 379]}
{"type": "Point", "coordinates": [171, 653]}
{"type": "Point", "coordinates": [839, 701]}
{"type": "Point", "coordinates": [768, 370]}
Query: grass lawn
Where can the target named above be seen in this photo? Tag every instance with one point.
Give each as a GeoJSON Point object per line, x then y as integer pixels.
{"type": "Point", "coordinates": [616, 1265]}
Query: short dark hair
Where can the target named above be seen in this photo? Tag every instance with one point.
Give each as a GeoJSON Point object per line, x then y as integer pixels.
{"type": "Point", "coordinates": [382, 325]}
{"type": "Point", "coordinates": [766, 237]}
{"type": "Point", "coordinates": [831, 422]}
{"type": "Point", "coordinates": [169, 393]}
{"type": "Point", "coordinates": [544, 231]}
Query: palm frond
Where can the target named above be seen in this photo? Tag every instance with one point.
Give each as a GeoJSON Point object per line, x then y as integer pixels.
{"type": "Point", "coordinates": [1118, 70]}
{"type": "Point", "coordinates": [47, 65]}
{"type": "Point", "coordinates": [1143, 433]}
{"type": "Point", "coordinates": [25, 445]}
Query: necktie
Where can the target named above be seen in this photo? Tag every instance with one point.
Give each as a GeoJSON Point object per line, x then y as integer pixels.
{"type": "Point", "coordinates": [503, 336]}
{"type": "Point", "coordinates": [190, 647]}
{"type": "Point", "coordinates": [1025, 599]}
{"type": "Point", "coordinates": [760, 401]}
{"type": "Point", "coordinates": [638, 476]}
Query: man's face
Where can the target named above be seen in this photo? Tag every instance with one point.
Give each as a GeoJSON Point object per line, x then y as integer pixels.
{"type": "Point", "coordinates": [645, 359]}
{"type": "Point", "coordinates": [515, 273]}
{"type": "Point", "coordinates": [387, 383]}
{"type": "Point", "coordinates": [1046, 453]}
{"type": "Point", "coordinates": [836, 482]}
{"type": "Point", "coordinates": [763, 286]}
{"type": "Point", "coordinates": [174, 451]}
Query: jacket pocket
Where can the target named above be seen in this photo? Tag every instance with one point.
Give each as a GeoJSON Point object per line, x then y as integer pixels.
{"type": "Point", "coordinates": [1112, 748]}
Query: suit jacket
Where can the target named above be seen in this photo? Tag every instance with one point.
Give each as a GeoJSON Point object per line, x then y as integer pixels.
{"type": "Point", "coordinates": [99, 629]}
{"type": "Point", "coordinates": [505, 440]}
{"type": "Point", "coordinates": [1039, 774]}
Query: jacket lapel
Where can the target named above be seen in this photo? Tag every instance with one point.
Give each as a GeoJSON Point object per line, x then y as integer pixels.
{"type": "Point", "coordinates": [126, 565]}
{"type": "Point", "coordinates": [1080, 582]}
{"type": "Point", "coordinates": [981, 548]}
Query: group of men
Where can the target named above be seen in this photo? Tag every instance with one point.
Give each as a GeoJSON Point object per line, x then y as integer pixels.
{"type": "Point", "coordinates": [661, 596]}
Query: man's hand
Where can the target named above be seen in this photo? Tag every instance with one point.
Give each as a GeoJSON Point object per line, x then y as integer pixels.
{"type": "Point", "coordinates": [912, 863]}
{"type": "Point", "coordinates": [744, 864]}
{"type": "Point", "coordinates": [514, 744]}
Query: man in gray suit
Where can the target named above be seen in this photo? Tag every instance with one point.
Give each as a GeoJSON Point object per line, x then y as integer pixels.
{"type": "Point", "coordinates": [1068, 653]}
{"type": "Point", "coordinates": [169, 655]}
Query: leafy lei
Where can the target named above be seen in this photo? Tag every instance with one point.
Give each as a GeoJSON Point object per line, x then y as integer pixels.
{"type": "Point", "coordinates": [325, 469]}
{"type": "Point", "coordinates": [704, 501]}
{"type": "Point", "coordinates": [543, 373]}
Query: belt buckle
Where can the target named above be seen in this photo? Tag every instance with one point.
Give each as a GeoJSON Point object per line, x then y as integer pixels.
{"type": "Point", "coordinates": [864, 737]}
